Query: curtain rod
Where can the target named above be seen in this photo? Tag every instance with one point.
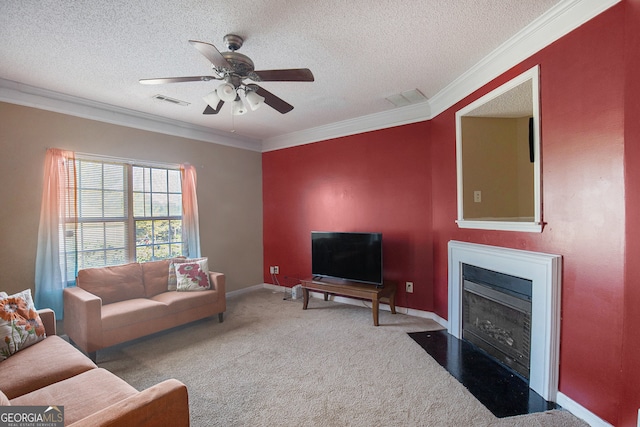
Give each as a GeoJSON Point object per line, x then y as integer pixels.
{"type": "Point", "coordinates": [136, 162]}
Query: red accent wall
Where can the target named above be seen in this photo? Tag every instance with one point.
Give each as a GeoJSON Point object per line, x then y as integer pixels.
{"type": "Point", "coordinates": [402, 181]}
{"type": "Point", "coordinates": [372, 182]}
{"type": "Point", "coordinates": [630, 401]}
{"type": "Point", "coordinates": [582, 114]}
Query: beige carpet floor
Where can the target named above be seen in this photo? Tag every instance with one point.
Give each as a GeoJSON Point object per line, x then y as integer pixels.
{"type": "Point", "coordinates": [272, 364]}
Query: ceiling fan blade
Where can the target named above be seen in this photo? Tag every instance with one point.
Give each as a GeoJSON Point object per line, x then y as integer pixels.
{"type": "Point", "coordinates": [210, 110]}
{"type": "Point", "coordinates": [163, 80]}
{"type": "Point", "coordinates": [211, 53]}
{"type": "Point", "coordinates": [289, 75]}
{"type": "Point", "coordinates": [271, 100]}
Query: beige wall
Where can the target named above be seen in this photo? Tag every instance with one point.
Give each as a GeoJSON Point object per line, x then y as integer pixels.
{"type": "Point", "coordinates": [496, 162]}
{"type": "Point", "coordinates": [525, 170]}
{"type": "Point", "coordinates": [229, 188]}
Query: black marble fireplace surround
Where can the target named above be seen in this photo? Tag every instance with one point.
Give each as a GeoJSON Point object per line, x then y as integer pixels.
{"type": "Point", "coordinates": [492, 359]}
{"type": "Point", "coordinates": [503, 391]}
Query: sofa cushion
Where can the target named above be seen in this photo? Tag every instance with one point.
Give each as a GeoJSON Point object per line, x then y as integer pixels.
{"type": "Point", "coordinates": [4, 400]}
{"type": "Point", "coordinates": [114, 283]}
{"type": "Point", "coordinates": [81, 395]}
{"type": "Point", "coordinates": [128, 313]}
{"type": "Point", "coordinates": [156, 277]}
{"type": "Point", "coordinates": [51, 360]}
{"type": "Point", "coordinates": [20, 324]}
{"type": "Point", "coordinates": [193, 276]}
{"type": "Point", "coordinates": [182, 301]}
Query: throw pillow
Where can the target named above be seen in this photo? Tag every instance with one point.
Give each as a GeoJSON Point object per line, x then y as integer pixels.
{"type": "Point", "coordinates": [20, 324]}
{"type": "Point", "coordinates": [193, 276]}
{"type": "Point", "coordinates": [172, 281]}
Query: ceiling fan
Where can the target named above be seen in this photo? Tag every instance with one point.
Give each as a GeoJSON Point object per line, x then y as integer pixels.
{"type": "Point", "coordinates": [233, 68]}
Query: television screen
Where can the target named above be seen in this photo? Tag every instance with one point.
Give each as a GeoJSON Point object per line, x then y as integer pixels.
{"type": "Point", "coordinates": [349, 256]}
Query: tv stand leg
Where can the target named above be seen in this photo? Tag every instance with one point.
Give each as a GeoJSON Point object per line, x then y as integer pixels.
{"type": "Point", "coordinates": [374, 308]}
{"type": "Point", "coordinates": [392, 302]}
{"type": "Point", "coordinates": [305, 298]}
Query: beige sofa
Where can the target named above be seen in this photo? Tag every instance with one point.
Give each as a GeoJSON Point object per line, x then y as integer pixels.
{"type": "Point", "coordinates": [53, 372]}
{"type": "Point", "coordinates": [111, 305]}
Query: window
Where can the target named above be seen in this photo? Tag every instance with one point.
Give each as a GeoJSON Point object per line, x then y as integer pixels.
{"type": "Point", "coordinates": [157, 212]}
{"type": "Point", "coordinates": [123, 213]}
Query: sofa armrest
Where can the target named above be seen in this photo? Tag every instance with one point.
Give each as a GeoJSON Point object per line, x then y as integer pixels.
{"type": "Point", "coordinates": [83, 318]}
{"type": "Point", "coordinates": [166, 403]}
{"type": "Point", "coordinates": [218, 281]}
{"type": "Point", "coordinates": [48, 318]}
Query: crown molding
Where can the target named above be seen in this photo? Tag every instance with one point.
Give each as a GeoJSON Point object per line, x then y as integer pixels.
{"type": "Point", "coordinates": [31, 96]}
{"type": "Point", "coordinates": [558, 21]}
{"type": "Point", "coordinates": [386, 119]}
{"type": "Point", "coordinates": [552, 25]}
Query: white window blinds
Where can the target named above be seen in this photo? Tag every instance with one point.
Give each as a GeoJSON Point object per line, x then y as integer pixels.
{"type": "Point", "coordinates": [124, 213]}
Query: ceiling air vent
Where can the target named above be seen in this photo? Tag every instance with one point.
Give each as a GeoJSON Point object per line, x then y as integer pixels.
{"type": "Point", "coordinates": [171, 100]}
{"type": "Point", "coordinates": [406, 98]}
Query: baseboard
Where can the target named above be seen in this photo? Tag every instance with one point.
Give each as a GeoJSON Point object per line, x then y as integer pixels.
{"type": "Point", "coordinates": [247, 290]}
{"type": "Point", "coordinates": [580, 411]}
{"type": "Point", "coordinates": [276, 288]}
{"type": "Point", "coordinates": [385, 307]}
{"type": "Point", "coordinates": [352, 301]}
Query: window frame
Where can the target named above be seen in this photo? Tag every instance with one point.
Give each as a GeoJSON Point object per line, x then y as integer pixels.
{"type": "Point", "coordinates": [130, 220]}
{"type": "Point", "coordinates": [151, 217]}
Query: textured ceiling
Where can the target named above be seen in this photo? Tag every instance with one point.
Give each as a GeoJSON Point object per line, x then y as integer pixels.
{"type": "Point", "coordinates": [516, 102]}
{"type": "Point", "coordinates": [360, 51]}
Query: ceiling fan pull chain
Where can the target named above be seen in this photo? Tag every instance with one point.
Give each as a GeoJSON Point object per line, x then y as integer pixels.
{"type": "Point", "coordinates": [233, 122]}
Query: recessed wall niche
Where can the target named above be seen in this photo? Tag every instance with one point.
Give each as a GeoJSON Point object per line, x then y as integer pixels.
{"type": "Point", "coordinates": [498, 158]}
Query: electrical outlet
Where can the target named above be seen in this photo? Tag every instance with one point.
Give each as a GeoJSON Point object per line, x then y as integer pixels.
{"type": "Point", "coordinates": [272, 270]}
{"type": "Point", "coordinates": [409, 287]}
{"type": "Point", "coordinates": [276, 270]}
{"type": "Point", "coordinates": [477, 196]}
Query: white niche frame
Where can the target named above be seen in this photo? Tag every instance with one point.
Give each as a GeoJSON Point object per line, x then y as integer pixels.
{"type": "Point", "coordinates": [536, 225]}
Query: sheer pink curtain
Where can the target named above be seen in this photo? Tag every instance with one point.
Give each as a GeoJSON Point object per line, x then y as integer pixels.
{"type": "Point", "coordinates": [58, 203]}
{"type": "Point", "coordinates": [190, 222]}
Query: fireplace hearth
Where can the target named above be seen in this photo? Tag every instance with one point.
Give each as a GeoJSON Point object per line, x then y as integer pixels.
{"type": "Point", "coordinates": [500, 389]}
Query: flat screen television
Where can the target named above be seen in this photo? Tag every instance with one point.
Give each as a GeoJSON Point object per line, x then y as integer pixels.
{"type": "Point", "coordinates": [349, 256]}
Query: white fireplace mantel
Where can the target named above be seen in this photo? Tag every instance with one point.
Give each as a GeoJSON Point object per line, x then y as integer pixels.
{"type": "Point", "coordinates": [544, 271]}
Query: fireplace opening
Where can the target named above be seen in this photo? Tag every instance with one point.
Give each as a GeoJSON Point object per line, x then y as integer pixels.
{"type": "Point", "coordinates": [496, 316]}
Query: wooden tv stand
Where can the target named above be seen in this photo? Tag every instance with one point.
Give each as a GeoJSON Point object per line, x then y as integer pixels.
{"type": "Point", "coordinates": [352, 289]}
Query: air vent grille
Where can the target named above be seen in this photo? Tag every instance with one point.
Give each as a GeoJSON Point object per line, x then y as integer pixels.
{"type": "Point", "coordinates": [407, 98]}
{"type": "Point", "coordinates": [170, 100]}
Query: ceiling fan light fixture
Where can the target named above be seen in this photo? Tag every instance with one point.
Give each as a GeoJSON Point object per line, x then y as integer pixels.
{"type": "Point", "coordinates": [238, 107]}
{"type": "Point", "coordinates": [212, 99]}
{"type": "Point", "coordinates": [226, 92]}
{"type": "Point", "coordinates": [233, 68]}
{"type": "Point", "coordinates": [254, 100]}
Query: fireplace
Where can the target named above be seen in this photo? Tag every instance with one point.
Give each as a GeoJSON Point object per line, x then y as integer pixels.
{"type": "Point", "coordinates": [496, 315]}
{"type": "Point", "coordinates": [540, 273]}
